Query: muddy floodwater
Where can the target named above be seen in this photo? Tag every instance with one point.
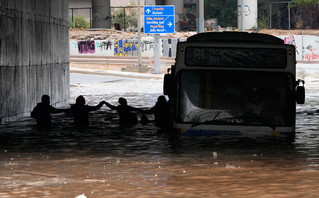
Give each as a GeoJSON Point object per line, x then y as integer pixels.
{"type": "Point", "coordinates": [105, 160]}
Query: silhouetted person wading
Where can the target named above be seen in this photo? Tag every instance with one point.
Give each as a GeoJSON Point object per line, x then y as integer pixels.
{"type": "Point", "coordinates": [160, 111]}
{"type": "Point", "coordinates": [42, 112]}
{"type": "Point", "coordinates": [125, 112]}
{"type": "Point", "coordinates": [81, 111]}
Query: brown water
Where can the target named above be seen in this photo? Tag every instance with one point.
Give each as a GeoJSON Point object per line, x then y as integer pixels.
{"type": "Point", "coordinates": [105, 160]}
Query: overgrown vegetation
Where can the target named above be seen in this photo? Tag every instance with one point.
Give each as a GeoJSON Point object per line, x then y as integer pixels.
{"type": "Point", "coordinates": [264, 15]}
{"type": "Point", "coordinates": [224, 10]}
{"type": "Point", "coordinates": [80, 22]}
{"type": "Point", "coordinates": [303, 13]}
{"type": "Point", "coordinates": [126, 17]}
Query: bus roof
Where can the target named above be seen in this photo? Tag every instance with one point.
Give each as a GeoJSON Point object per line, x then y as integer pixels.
{"type": "Point", "coordinates": [235, 37]}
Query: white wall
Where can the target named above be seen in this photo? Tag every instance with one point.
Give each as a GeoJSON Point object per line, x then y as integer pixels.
{"type": "Point", "coordinates": [307, 47]}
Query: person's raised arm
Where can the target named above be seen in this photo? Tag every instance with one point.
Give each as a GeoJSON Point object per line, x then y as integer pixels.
{"type": "Point", "coordinates": [97, 107]}
{"type": "Point", "coordinates": [110, 106]}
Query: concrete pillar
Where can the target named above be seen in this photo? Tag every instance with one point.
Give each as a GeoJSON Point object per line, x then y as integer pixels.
{"type": "Point", "coordinates": [150, 2]}
{"type": "Point", "coordinates": [200, 16]}
{"type": "Point", "coordinates": [160, 2]}
{"type": "Point", "coordinates": [250, 14]}
{"type": "Point", "coordinates": [34, 55]}
{"type": "Point", "coordinates": [101, 14]}
{"type": "Point", "coordinates": [179, 12]}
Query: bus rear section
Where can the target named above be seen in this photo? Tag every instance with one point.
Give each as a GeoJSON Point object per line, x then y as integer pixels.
{"type": "Point", "coordinates": [233, 84]}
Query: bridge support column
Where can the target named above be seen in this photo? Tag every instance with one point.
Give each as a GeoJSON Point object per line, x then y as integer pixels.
{"type": "Point", "coordinates": [101, 14]}
{"type": "Point", "coordinates": [179, 12]}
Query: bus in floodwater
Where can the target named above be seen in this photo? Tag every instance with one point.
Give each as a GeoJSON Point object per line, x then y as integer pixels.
{"type": "Point", "coordinates": [233, 84]}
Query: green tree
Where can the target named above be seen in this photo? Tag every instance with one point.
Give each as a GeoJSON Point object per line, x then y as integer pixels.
{"type": "Point", "coordinates": [224, 10]}
{"type": "Point", "coordinates": [125, 17]}
{"type": "Point", "coordinates": [80, 22]}
{"type": "Point", "coordinates": [305, 13]}
{"type": "Point", "coordinates": [264, 15]}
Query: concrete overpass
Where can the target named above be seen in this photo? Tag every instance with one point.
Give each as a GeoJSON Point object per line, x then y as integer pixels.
{"type": "Point", "coordinates": [34, 55]}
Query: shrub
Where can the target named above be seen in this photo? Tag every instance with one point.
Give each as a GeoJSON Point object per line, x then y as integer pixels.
{"type": "Point", "coordinates": [80, 22]}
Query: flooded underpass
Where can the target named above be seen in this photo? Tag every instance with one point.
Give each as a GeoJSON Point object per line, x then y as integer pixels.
{"type": "Point", "coordinates": [105, 160]}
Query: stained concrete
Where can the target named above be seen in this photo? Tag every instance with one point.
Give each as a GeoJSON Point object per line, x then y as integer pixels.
{"type": "Point", "coordinates": [101, 14]}
{"type": "Point", "coordinates": [34, 55]}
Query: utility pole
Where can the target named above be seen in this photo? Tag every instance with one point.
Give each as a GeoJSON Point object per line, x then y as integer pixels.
{"type": "Point", "coordinates": [139, 52]}
{"type": "Point", "coordinates": [200, 16]}
{"type": "Point", "coordinates": [242, 11]}
{"type": "Point", "coordinates": [157, 45]}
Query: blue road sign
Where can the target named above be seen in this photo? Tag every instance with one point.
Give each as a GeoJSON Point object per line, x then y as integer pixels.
{"type": "Point", "coordinates": [159, 19]}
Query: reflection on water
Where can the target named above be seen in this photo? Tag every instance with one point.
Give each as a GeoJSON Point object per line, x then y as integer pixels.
{"type": "Point", "coordinates": [105, 160]}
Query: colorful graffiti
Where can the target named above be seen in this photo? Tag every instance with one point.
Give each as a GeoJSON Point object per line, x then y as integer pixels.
{"type": "Point", "coordinates": [189, 22]}
{"type": "Point", "coordinates": [312, 56]}
{"type": "Point", "coordinates": [122, 47]}
{"type": "Point", "coordinates": [85, 47]}
{"type": "Point", "coordinates": [290, 40]}
{"type": "Point", "coordinates": [307, 45]}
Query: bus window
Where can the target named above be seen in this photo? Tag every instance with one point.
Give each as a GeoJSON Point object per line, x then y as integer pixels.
{"type": "Point", "coordinates": [234, 97]}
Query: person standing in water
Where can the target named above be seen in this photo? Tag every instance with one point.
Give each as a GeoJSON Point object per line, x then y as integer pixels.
{"type": "Point", "coordinates": [127, 117]}
{"type": "Point", "coordinates": [160, 111]}
{"type": "Point", "coordinates": [80, 111]}
{"type": "Point", "coordinates": [43, 110]}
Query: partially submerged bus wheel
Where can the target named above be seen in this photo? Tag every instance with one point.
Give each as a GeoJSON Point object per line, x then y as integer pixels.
{"type": "Point", "coordinates": [300, 92]}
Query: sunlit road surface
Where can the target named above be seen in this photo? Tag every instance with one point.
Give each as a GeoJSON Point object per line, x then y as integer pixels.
{"type": "Point", "coordinates": [105, 160]}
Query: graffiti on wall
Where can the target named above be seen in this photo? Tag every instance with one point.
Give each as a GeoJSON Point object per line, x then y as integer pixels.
{"type": "Point", "coordinates": [311, 56]}
{"type": "Point", "coordinates": [123, 47]}
{"type": "Point", "coordinates": [307, 47]}
{"type": "Point", "coordinates": [189, 22]}
{"type": "Point", "coordinates": [104, 45]}
{"type": "Point", "coordinates": [147, 45]}
{"type": "Point", "coordinates": [247, 10]}
{"type": "Point", "coordinates": [130, 47]}
{"type": "Point", "coordinates": [292, 41]}
{"type": "Point", "coordinates": [85, 47]}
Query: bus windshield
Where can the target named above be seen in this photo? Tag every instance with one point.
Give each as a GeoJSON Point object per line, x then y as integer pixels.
{"type": "Point", "coordinates": [235, 97]}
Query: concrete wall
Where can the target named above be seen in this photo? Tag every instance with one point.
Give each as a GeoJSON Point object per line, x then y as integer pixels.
{"type": "Point", "coordinates": [124, 47]}
{"type": "Point", "coordinates": [34, 55]}
{"type": "Point", "coordinates": [307, 47]}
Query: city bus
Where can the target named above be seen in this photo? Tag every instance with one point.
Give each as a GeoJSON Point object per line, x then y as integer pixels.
{"type": "Point", "coordinates": [233, 84]}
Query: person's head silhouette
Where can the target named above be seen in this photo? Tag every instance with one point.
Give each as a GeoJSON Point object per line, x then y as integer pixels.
{"type": "Point", "coordinates": [122, 101]}
{"type": "Point", "coordinates": [45, 99]}
{"type": "Point", "coordinates": [80, 100]}
{"type": "Point", "coordinates": [161, 100]}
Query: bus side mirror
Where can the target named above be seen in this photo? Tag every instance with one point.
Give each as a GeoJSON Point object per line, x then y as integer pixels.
{"type": "Point", "coordinates": [168, 84]}
{"type": "Point", "coordinates": [300, 92]}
